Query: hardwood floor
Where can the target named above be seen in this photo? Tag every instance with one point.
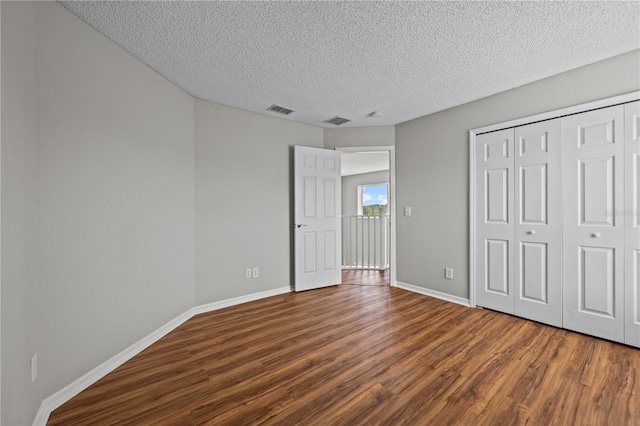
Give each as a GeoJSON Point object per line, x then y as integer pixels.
{"type": "Point", "coordinates": [365, 355]}
{"type": "Point", "coordinates": [365, 277]}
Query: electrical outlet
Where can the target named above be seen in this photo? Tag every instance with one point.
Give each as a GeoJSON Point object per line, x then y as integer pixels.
{"type": "Point", "coordinates": [448, 273]}
{"type": "Point", "coordinates": [34, 367]}
{"type": "Point", "coordinates": [256, 272]}
{"type": "Point", "coordinates": [407, 211]}
{"type": "Point", "coordinates": [247, 273]}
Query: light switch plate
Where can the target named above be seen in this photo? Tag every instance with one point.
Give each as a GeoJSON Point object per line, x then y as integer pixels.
{"type": "Point", "coordinates": [407, 211]}
{"type": "Point", "coordinates": [256, 272]}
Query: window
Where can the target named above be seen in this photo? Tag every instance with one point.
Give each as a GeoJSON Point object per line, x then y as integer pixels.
{"type": "Point", "coordinates": [372, 198]}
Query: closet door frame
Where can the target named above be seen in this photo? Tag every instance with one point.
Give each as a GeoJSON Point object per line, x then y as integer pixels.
{"type": "Point", "coordinates": [603, 103]}
{"type": "Point", "coordinates": [632, 223]}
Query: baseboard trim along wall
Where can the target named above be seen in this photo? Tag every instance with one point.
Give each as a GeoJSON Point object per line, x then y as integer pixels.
{"type": "Point", "coordinates": [238, 300]}
{"type": "Point", "coordinates": [433, 293]}
{"type": "Point", "coordinates": [65, 394]}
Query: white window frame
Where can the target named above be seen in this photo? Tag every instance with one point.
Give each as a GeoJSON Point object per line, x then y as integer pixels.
{"type": "Point", "coordinates": [360, 190]}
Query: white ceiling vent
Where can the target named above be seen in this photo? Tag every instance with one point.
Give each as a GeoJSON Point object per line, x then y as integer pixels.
{"type": "Point", "coordinates": [337, 120]}
{"type": "Point", "coordinates": [279, 109]}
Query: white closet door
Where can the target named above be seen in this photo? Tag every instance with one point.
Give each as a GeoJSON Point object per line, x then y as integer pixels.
{"type": "Point", "coordinates": [494, 224]}
{"type": "Point", "coordinates": [632, 221]}
{"type": "Point", "coordinates": [538, 222]}
{"type": "Point", "coordinates": [593, 261]}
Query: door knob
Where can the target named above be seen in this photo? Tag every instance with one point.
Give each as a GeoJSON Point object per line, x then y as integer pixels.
{"type": "Point", "coordinates": [532, 232]}
{"type": "Point", "coordinates": [596, 235]}
{"type": "Point", "coordinates": [299, 225]}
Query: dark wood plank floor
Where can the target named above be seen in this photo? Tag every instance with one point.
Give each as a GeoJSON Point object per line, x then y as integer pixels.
{"type": "Point", "coordinates": [365, 277]}
{"type": "Point", "coordinates": [365, 355]}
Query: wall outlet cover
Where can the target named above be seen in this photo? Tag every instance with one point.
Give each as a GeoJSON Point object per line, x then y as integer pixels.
{"type": "Point", "coordinates": [256, 272]}
{"type": "Point", "coordinates": [34, 367]}
{"type": "Point", "coordinates": [448, 273]}
{"type": "Point", "coordinates": [247, 273]}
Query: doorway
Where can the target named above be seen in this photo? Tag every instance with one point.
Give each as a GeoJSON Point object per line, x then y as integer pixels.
{"type": "Point", "coordinates": [368, 215]}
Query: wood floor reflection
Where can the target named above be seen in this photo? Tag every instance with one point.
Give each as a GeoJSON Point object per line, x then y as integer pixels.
{"type": "Point", "coordinates": [365, 277]}
{"type": "Point", "coordinates": [365, 355]}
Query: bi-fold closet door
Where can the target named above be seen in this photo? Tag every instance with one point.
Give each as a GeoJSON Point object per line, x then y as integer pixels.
{"type": "Point", "coordinates": [518, 228]}
{"type": "Point", "coordinates": [557, 222]}
{"type": "Point", "coordinates": [594, 223]}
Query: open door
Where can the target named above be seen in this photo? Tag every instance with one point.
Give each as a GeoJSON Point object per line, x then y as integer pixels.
{"type": "Point", "coordinates": [317, 198]}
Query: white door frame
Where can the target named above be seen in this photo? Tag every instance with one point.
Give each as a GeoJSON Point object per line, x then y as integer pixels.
{"type": "Point", "coordinates": [576, 109]}
{"type": "Point", "coordinates": [393, 275]}
{"type": "Point", "coordinates": [0, 211]}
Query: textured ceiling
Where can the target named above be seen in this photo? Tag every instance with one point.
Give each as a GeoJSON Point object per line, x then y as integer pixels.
{"type": "Point", "coordinates": [322, 59]}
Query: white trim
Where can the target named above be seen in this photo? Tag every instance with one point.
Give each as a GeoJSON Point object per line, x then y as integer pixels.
{"type": "Point", "coordinates": [360, 206]}
{"type": "Point", "coordinates": [239, 300]}
{"type": "Point", "coordinates": [65, 394]}
{"type": "Point", "coordinates": [393, 274]}
{"type": "Point", "coordinates": [0, 221]}
{"type": "Point", "coordinates": [433, 293]}
{"type": "Point", "coordinates": [472, 222]}
{"type": "Point", "coordinates": [576, 109]}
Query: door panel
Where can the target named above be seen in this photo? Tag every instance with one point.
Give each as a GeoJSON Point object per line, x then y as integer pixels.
{"type": "Point", "coordinates": [495, 207]}
{"type": "Point", "coordinates": [497, 266]}
{"type": "Point", "coordinates": [597, 277]}
{"type": "Point", "coordinates": [537, 231]}
{"type": "Point", "coordinates": [593, 267]}
{"type": "Point", "coordinates": [317, 218]}
{"type": "Point", "coordinates": [596, 188]}
{"type": "Point", "coordinates": [533, 183]}
{"type": "Point", "coordinates": [497, 196]}
{"type": "Point", "coordinates": [632, 222]}
{"type": "Point", "coordinates": [329, 197]}
{"type": "Point", "coordinates": [310, 245]}
{"type": "Point", "coordinates": [329, 250]}
{"type": "Point", "coordinates": [533, 272]}
{"type": "Point", "coordinates": [309, 197]}
{"type": "Point", "coordinates": [596, 133]}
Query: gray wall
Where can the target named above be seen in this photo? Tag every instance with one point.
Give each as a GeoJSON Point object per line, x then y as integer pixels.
{"type": "Point", "coordinates": [359, 136]}
{"type": "Point", "coordinates": [432, 165]}
{"type": "Point", "coordinates": [350, 188]}
{"type": "Point", "coordinates": [98, 167]}
{"type": "Point", "coordinates": [243, 199]}
{"type": "Point", "coordinates": [113, 179]}
{"type": "Point", "coordinates": [21, 290]}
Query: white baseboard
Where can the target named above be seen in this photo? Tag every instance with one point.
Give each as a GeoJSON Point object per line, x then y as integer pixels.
{"type": "Point", "coordinates": [238, 300]}
{"type": "Point", "coordinates": [433, 293]}
{"type": "Point", "coordinates": [65, 394]}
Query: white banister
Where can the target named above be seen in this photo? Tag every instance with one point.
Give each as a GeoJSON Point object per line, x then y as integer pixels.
{"type": "Point", "coordinates": [365, 242]}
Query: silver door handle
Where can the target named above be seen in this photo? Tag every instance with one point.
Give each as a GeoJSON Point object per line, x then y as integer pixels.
{"type": "Point", "coordinates": [299, 225]}
{"type": "Point", "coordinates": [596, 235]}
{"type": "Point", "coordinates": [532, 232]}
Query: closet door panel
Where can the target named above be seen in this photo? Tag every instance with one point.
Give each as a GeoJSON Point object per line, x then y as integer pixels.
{"type": "Point", "coordinates": [495, 220]}
{"type": "Point", "coordinates": [538, 227]}
{"type": "Point", "coordinates": [593, 252]}
{"type": "Point", "coordinates": [632, 223]}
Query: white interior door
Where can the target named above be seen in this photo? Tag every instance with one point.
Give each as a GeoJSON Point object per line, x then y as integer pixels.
{"type": "Point", "coordinates": [593, 261]}
{"type": "Point", "coordinates": [632, 221]}
{"type": "Point", "coordinates": [495, 224]}
{"type": "Point", "coordinates": [317, 194]}
{"type": "Point", "coordinates": [538, 227]}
